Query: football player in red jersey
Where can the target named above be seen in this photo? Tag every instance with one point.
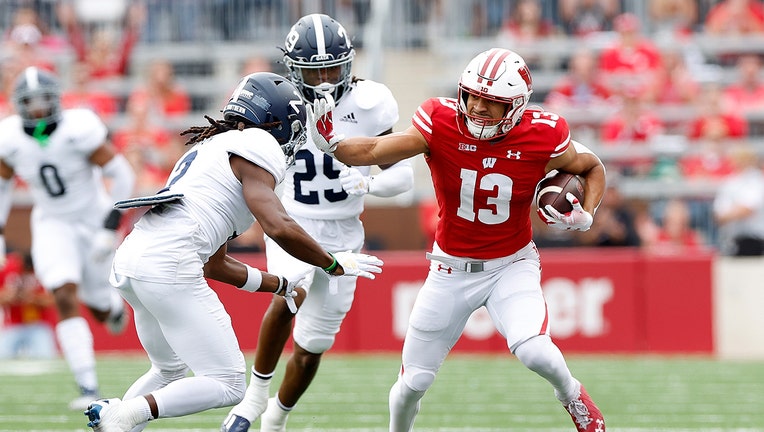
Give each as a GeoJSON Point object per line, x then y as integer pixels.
{"type": "Point", "coordinates": [486, 153]}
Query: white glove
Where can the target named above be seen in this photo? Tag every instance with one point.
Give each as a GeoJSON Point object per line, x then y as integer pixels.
{"type": "Point", "coordinates": [353, 182]}
{"type": "Point", "coordinates": [358, 264]}
{"type": "Point", "coordinates": [577, 219]}
{"type": "Point", "coordinates": [104, 244]}
{"type": "Point", "coordinates": [288, 292]}
{"type": "Point", "coordinates": [2, 250]}
{"type": "Point", "coordinates": [321, 124]}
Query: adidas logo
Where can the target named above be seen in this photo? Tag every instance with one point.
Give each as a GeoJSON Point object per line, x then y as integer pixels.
{"type": "Point", "coordinates": [350, 118]}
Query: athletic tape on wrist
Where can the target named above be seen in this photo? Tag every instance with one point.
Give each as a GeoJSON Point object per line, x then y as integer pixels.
{"type": "Point", "coordinates": [254, 279]}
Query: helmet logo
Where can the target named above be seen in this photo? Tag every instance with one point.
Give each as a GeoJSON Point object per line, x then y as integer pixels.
{"type": "Point", "coordinates": [233, 107]}
{"type": "Point", "coordinates": [291, 40]}
{"type": "Point", "coordinates": [525, 74]}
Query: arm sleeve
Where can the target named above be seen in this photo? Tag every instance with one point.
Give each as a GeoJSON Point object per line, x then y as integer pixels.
{"type": "Point", "coordinates": [394, 180]}
{"type": "Point", "coordinates": [122, 176]}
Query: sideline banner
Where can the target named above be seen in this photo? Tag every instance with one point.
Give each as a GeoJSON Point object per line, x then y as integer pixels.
{"type": "Point", "coordinates": [600, 301]}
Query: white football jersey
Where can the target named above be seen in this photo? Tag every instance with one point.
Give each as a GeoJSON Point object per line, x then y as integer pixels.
{"type": "Point", "coordinates": [212, 209]}
{"type": "Point", "coordinates": [62, 181]}
{"type": "Point", "coordinates": [312, 187]}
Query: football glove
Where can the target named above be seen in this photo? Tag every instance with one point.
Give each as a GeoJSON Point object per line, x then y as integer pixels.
{"type": "Point", "coordinates": [358, 264]}
{"type": "Point", "coordinates": [353, 182]}
{"type": "Point", "coordinates": [286, 289]}
{"type": "Point", "coordinates": [104, 244]}
{"type": "Point", "coordinates": [321, 124]}
{"type": "Point", "coordinates": [577, 219]}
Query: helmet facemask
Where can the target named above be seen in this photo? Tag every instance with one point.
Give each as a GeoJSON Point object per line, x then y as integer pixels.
{"type": "Point", "coordinates": [301, 73]}
{"type": "Point", "coordinates": [296, 141]}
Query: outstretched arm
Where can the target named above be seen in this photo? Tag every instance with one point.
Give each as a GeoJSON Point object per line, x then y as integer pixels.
{"type": "Point", "coordinates": [361, 151]}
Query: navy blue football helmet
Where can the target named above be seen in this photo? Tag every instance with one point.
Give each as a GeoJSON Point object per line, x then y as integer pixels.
{"type": "Point", "coordinates": [37, 98]}
{"type": "Point", "coordinates": [315, 42]}
{"type": "Point", "coordinates": [270, 100]}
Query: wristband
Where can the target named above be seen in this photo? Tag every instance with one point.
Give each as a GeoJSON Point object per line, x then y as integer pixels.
{"type": "Point", "coordinates": [254, 279]}
{"type": "Point", "coordinates": [329, 270]}
{"type": "Point", "coordinates": [282, 285]}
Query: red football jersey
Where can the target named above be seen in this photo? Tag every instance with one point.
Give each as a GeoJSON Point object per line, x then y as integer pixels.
{"type": "Point", "coordinates": [484, 189]}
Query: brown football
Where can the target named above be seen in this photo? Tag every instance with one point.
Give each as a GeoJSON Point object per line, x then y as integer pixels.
{"type": "Point", "coordinates": [552, 191]}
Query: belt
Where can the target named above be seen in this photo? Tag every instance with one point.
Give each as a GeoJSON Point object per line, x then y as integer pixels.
{"type": "Point", "coordinates": [472, 266]}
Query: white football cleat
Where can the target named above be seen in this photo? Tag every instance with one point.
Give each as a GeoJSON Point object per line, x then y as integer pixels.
{"type": "Point", "coordinates": [104, 416]}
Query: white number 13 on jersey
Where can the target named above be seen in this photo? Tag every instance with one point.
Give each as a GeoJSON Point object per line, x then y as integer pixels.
{"type": "Point", "coordinates": [499, 183]}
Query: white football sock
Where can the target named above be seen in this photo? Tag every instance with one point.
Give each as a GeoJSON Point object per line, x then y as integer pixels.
{"type": "Point", "coordinates": [76, 341]}
{"type": "Point", "coordinates": [256, 397]}
{"type": "Point", "coordinates": [404, 406]}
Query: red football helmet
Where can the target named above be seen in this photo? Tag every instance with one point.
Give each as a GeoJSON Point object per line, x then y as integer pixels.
{"type": "Point", "coordinates": [499, 75]}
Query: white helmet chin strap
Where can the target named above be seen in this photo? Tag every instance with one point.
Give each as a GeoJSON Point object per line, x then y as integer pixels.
{"type": "Point", "coordinates": [482, 131]}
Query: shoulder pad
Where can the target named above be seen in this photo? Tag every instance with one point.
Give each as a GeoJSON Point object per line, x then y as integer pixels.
{"type": "Point", "coordinates": [371, 94]}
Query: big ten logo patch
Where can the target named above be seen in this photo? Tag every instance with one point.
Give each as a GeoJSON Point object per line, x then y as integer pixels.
{"type": "Point", "coordinates": [576, 308]}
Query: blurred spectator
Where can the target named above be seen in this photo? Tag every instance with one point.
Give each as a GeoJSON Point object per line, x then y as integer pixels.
{"type": "Point", "coordinates": [714, 121]}
{"type": "Point", "coordinates": [581, 87]}
{"type": "Point", "coordinates": [8, 71]}
{"type": "Point", "coordinates": [149, 147]}
{"type": "Point", "coordinates": [525, 23]}
{"type": "Point", "coordinates": [615, 224]}
{"type": "Point", "coordinates": [710, 132]}
{"type": "Point", "coordinates": [27, 331]}
{"type": "Point", "coordinates": [584, 17]}
{"type": "Point", "coordinates": [632, 60]}
{"type": "Point", "coordinates": [29, 17]}
{"type": "Point", "coordinates": [746, 94]}
{"type": "Point", "coordinates": [672, 84]}
{"type": "Point", "coordinates": [23, 48]}
{"type": "Point", "coordinates": [523, 26]}
{"type": "Point", "coordinates": [633, 127]}
{"type": "Point", "coordinates": [735, 17]}
{"type": "Point", "coordinates": [181, 20]}
{"type": "Point", "coordinates": [739, 206]}
{"type": "Point", "coordinates": [675, 19]}
{"type": "Point", "coordinates": [83, 93]}
{"type": "Point", "coordinates": [104, 56]}
{"type": "Point", "coordinates": [161, 92]}
{"type": "Point", "coordinates": [675, 233]}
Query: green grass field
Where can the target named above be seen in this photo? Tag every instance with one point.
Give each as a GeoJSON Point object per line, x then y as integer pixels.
{"type": "Point", "coordinates": [472, 393]}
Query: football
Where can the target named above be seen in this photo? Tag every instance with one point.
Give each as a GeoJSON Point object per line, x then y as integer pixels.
{"type": "Point", "coordinates": [552, 191]}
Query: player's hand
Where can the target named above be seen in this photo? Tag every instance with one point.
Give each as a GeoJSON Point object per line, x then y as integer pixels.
{"type": "Point", "coordinates": [321, 124]}
{"type": "Point", "coordinates": [577, 219]}
{"type": "Point", "coordinates": [2, 250]}
{"type": "Point", "coordinates": [286, 290]}
{"type": "Point", "coordinates": [353, 182]}
{"type": "Point", "coordinates": [104, 244]}
{"type": "Point", "coordinates": [358, 264]}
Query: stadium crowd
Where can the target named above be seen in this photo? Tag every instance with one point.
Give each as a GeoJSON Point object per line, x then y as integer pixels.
{"type": "Point", "coordinates": [637, 83]}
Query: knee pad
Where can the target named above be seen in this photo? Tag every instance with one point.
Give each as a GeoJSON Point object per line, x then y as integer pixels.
{"type": "Point", "coordinates": [418, 379]}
